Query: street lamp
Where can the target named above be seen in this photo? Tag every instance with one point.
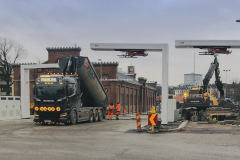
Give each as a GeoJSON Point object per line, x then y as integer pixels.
{"type": "Point", "coordinates": [226, 74]}
{"type": "Point", "coordinates": [100, 70]}
{"type": "Point", "coordinates": [237, 20]}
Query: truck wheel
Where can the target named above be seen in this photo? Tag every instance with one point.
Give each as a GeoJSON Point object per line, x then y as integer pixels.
{"type": "Point", "coordinates": [185, 114]}
{"type": "Point", "coordinates": [95, 118]}
{"type": "Point", "coordinates": [73, 117]}
{"type": "Point", "coordinates": [100, 116]}
{"type": "Point", "coordinates": [90, 117]}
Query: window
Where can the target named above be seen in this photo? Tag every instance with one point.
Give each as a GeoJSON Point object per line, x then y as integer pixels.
{"type": "Point", "coordinates": [3, 98]}
{"type": "Point", "coordinates": [3, 89]}
{"type": "Point", "coordinates": [50, 91]}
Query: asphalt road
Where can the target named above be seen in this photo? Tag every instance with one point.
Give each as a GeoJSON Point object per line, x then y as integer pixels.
{"type": "Point", "coordinates": [23, 140]}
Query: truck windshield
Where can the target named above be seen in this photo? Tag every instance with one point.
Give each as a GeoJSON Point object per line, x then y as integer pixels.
{"type": "Point", "coordinates": [50, 91]}
{"type": "Point", "coordinates": [194, 92]}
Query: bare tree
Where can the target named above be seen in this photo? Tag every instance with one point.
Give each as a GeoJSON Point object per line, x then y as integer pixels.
{"type": "Point", "coordinates": [38, 60]}
{"type": "Point", "coordinates": [10, 52]}
{"type": "Point", "coordinates": [234, 90]}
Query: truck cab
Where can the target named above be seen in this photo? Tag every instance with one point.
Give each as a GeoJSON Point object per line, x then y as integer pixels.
{"type": "Point", "coordinates": [55, 97]}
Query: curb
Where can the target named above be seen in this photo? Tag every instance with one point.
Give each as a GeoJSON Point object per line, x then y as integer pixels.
{"type": "Point", "coordinates": [180, 128]}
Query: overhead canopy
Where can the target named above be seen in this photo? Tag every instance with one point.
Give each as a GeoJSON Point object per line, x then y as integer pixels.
{"type": "Point", "coordinates": [127, 46]}
{"type": "Point", "coordinates": [207, 43]}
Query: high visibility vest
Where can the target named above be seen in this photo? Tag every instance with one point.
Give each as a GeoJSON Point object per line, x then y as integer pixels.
{"type": "Point", "coordinates": [111, 107]}
{"type": "Point", "coordinates": [118, 107]}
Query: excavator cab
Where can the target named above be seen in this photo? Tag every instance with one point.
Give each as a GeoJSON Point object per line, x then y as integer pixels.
{"type": "Point", "coordinates": [195, 91]}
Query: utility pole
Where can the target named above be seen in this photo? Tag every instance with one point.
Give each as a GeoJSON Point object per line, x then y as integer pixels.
{"type": "Point", "coordinates": [100, 70]}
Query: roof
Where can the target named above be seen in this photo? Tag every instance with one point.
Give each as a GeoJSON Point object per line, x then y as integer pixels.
{"type": "Point", "coordinates": [105, 63]}
{"type": "Point", "coordinates": [18, 64]}
{"type": "Point", "coordinates": [179, 97]}
{"type": "Point", "coordinates": [63, 49]}
{"type": "Point", "coordinates": [129, 79]}
{"type": "Point", "coordinates": [193, 74]}
{"type": "Point", "coordinates": [150, 87]}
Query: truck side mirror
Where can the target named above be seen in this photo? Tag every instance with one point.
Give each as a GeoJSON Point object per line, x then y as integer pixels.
{"type": "Point", "coordinates": [34, 92]}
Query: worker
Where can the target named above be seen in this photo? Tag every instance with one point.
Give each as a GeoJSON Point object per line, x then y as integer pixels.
{"type": "Point", "coordinates": [110, 110]}
{"type": "Point", "coordinates": [118, 107]}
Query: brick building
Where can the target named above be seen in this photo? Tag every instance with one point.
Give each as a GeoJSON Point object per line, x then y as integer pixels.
{"type": "Point", "coordinates": [124, 88]}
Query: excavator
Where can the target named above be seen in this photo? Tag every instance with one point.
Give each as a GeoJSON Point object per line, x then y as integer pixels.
{"type": "Point", "coordinates": [200, 104]}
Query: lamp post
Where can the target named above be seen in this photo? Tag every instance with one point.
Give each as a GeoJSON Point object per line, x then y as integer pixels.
{"type": "Point", "coordinates": [100, 70]}
{"type": "Point", "coordinates": [237, 20]}
{"type": "Point", "coordinates": [226, 74]}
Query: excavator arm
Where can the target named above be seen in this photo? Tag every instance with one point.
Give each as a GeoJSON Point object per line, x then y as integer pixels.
{"type": "Point", "coordinates": [213, 67]}
{"type": "Point", "coordinates": [218, 82]}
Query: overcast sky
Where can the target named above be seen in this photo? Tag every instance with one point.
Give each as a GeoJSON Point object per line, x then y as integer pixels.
{"type": "Point", "coordinates": [63, 23]}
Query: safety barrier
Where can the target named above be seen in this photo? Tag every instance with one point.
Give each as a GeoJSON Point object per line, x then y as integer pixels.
{"type": "Point", "coordinates": [10, 107]}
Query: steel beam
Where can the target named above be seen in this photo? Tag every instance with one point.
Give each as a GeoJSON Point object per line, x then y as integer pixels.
{"type": "Point", "coordinates": [126, 46]}
{"type": "Point", "coordinates": [207, 43]}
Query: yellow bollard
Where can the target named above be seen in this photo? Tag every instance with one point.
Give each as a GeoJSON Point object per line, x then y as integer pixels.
{"type": "Point", "coordinates": [153, 109]}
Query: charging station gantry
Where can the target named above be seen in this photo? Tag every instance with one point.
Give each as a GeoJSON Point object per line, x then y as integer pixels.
{"type": "Point", "coordinates": [211, 47]}
{"type": "Point", "coordinates": [132, 50]}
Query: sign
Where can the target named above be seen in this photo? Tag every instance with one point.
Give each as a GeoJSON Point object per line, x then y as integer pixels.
{"type": "Point", "coordinates": [48, 79]}
{"type": "Point", "coordinates": [152, 119]}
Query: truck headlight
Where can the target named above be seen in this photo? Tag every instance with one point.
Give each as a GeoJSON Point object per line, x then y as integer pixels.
{"type": "Point", "coordinates": [58, 109]}
{"type": "Point", "coordinates": [36, 108]}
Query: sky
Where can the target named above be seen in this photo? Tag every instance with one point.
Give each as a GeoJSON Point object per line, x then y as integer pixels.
{"type": "Point", "coordinates": [63, 23]}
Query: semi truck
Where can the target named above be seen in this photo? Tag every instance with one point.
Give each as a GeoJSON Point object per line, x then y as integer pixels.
{"type": "Point", "coordinates": [69, 97]}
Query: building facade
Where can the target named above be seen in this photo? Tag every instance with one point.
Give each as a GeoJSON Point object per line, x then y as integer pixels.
{"type": "Point", "coordinates": [193, 79]}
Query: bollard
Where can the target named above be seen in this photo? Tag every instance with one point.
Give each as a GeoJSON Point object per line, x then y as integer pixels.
{"type": "Point", "coordinates": [138, 121]}
{"type": "Point", "coordinates": [153, 109]}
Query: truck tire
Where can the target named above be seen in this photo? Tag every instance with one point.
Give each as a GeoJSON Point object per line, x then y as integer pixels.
{"type": "Point", "coordinates": [95, 117]}
{"type": "Point", "coordinates": [73, 117]}
{"type": "Point", "coordinates": [185, 114]}
{"type": "Point", "coordinates": [90, 117]}
{"type": "Point", "coordinates": [100, 116]}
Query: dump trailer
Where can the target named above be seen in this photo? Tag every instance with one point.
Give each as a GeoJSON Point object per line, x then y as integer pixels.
{"type": "Point", "coordinates": [72, 96]}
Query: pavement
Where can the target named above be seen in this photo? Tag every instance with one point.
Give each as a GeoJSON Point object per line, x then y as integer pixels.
{"type": "Point", "coordinates": [107, 140]}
